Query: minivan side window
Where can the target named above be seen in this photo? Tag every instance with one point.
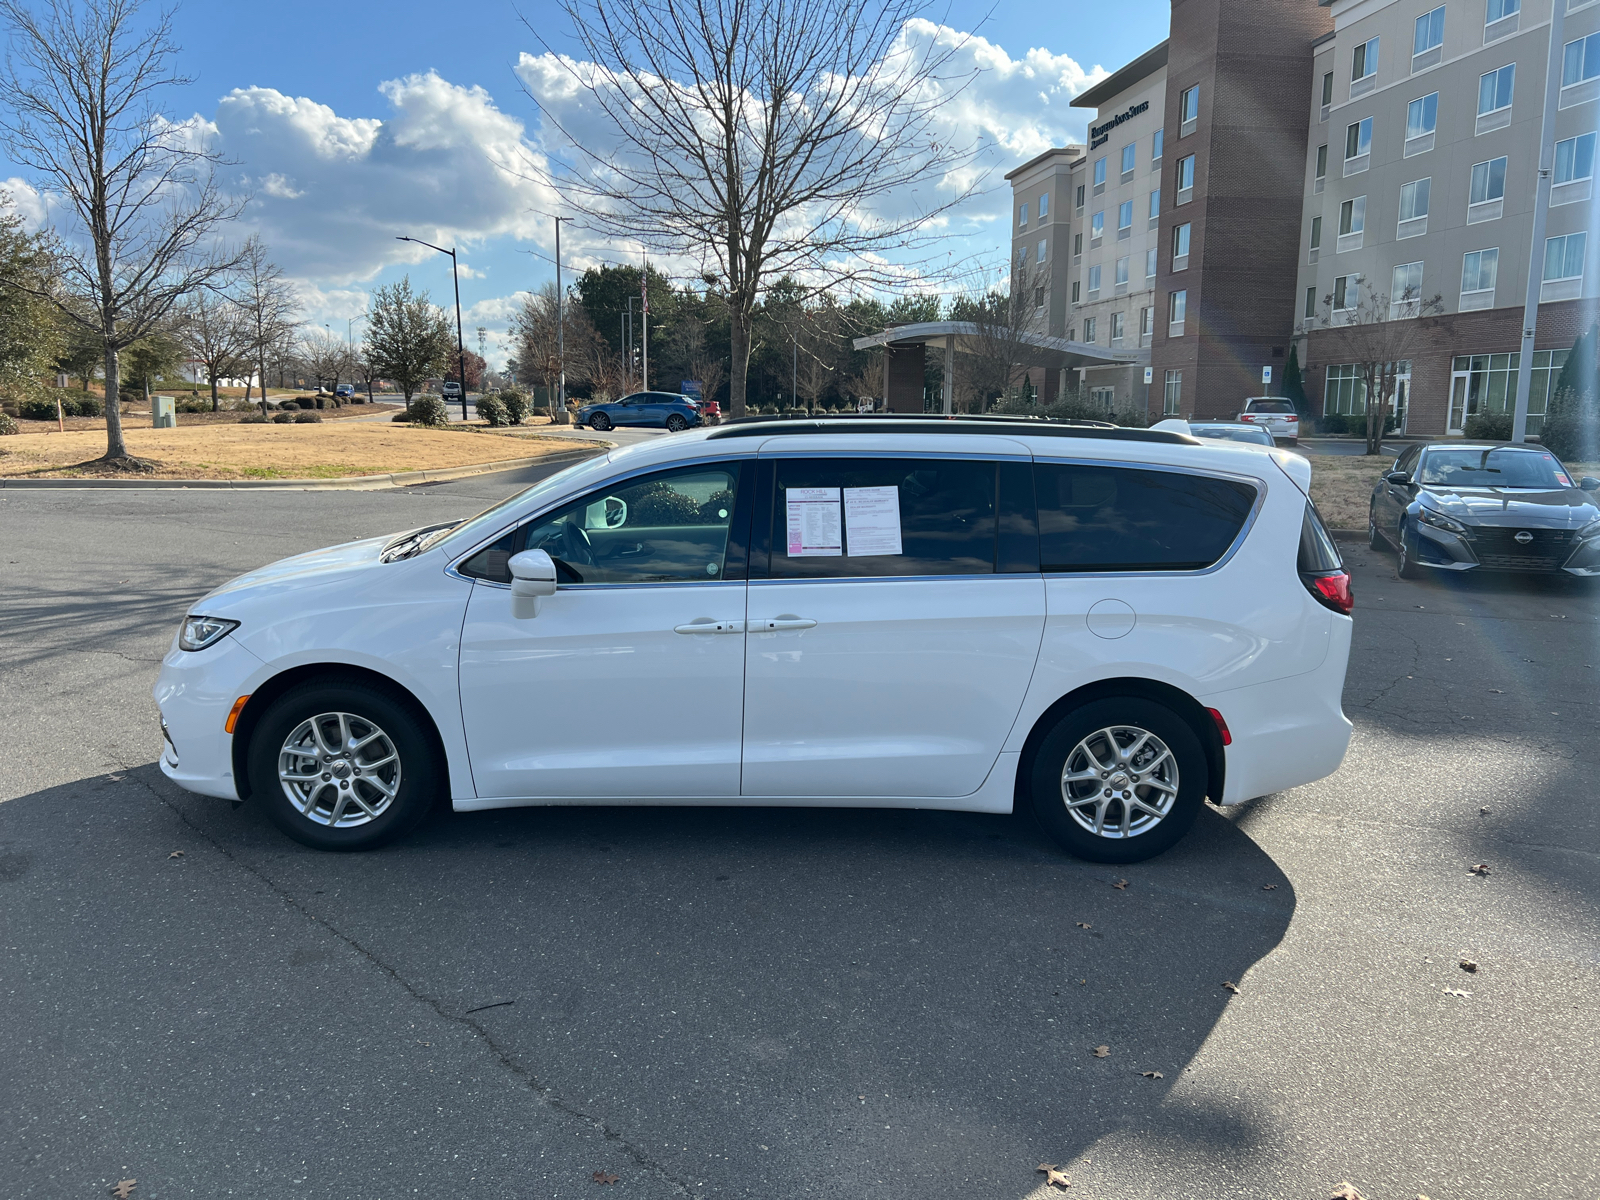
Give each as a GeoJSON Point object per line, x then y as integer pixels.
{"type": "Point", "coordinates": [671, 527]}
{"type": "Point", "coordinates": [1094, 518]}
{"type": "Point", "coordinates": [836, 518]}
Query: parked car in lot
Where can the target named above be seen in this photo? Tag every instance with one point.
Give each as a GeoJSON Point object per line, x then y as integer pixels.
{"type": "Point", "coordinates": [450, 391]}
{"type": "Point", "coordinates": [1485, 506]}
{"type": "Point", "coordinates": [1105, 626]}
{"type": "Point", "coordinates": [344, 390]}
{"type": "Point", "coordinates": [1232, 431]}
{"type": "Point", "coordinates": [668, 410]}
{"type": "Point", "coordinates": [1277, 416]}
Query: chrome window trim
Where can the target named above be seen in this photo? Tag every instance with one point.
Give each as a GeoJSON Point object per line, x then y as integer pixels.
{"type": "Point", "coordinates": [451, 567]}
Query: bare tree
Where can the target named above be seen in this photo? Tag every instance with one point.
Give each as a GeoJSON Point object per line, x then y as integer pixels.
{"type": "Point", "coordinates": [266, 305]}
{"type": "Point", "coordinates": [758, 137]}
{"type": "Point", "coordinates": [1378, 334]}
{"type": "Point", "coordinates": [1003, 325]}
{"type": "Point", "coordinates": [588, 358]}
{"type": "Point", "coordinates": [80, 89]}
{"type": "Point", "coordinates": [214, 333]}
{"type": "Point", "coordinates": [327, 356]}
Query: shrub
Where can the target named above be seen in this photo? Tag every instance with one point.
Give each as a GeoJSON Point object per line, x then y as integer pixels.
{"type": "Point", "coordinates": [253, 419]}
{"type": "Point", "coordinates": [355, 399]}
{"type": "Point", "coordinates": [90, 406]}
{"type": "Point", "coordinates": [1571, 429]}
{"type": "Point", "coordinates": [429, 411]}
{"type": "Point", "coordinates": [1334, 423]}
{"type": "Point", "coordinates": [769, 410]}
{"type": "Point", "coordinates": [304, 402]}
{"type": "Point", "coordinates": [493, 410]}
{"type": "Point", "coordinates": [7, 425]}
{"type": "Point", "coordinates": [516, 405]}
{"type": "Point", "coordinates": [307, 418]}
{"type": "Point", "coordinates": [403, 415]}
{"type": "Point", "coordinates": [192, 406]}
{"type": "Point", "coordinates": [37, 410]}
{"type": "Point", "coordinates": [1489, 427]}
{"type": "Point", "coordinates": [283, 418]}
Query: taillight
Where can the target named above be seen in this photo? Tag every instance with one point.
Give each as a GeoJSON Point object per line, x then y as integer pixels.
{"type": "Point", "coordinates": [1331, 590]}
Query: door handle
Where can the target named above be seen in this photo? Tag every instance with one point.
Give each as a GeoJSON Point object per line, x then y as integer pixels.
{"type": "Point", "coordinates": [709, 625]}
{"type": "Point", "coordinates": [786, 621]}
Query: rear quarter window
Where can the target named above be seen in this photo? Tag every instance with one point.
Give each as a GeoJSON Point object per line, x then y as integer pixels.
{"type": "Point", "coordinates": [1095, 518]}
{"type": "Point", "coordinates": [1319, 553]}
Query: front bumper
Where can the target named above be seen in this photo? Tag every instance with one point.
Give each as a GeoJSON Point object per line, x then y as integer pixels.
{"type": "Point", "coordinates": [194, 691]}
{"type": "Point", "coordinates": [1495, 548]}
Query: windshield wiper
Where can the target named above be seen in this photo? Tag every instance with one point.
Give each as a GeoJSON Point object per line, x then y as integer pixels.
{"type": "Point", "coordinates": [407, 544]}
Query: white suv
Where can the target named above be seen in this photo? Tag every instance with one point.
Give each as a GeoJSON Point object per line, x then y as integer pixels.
{"type": "Point", "coordinates": [1105, 626]}
{"type": "Point", "coordinates": [1274, 414]}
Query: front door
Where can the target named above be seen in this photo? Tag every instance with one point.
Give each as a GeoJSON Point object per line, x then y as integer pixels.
{"type": "Point", "coordinates": [629, 683]}
{"type": "Point", "coordinates": [893, 638]}
{"type": "Point", "coordinates": [1459, 402]}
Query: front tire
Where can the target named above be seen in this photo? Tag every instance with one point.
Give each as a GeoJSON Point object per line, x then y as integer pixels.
{"type": "Point", "coordinates": [343, 765]}
{"type": "Point", "coordinates": [1118, 780]}
{"type": "Point", "coordinates": [599, 422]}
{"type": "Point", "coordinates": [1406, 566]}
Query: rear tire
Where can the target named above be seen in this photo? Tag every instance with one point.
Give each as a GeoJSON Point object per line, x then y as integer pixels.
{"type": "Point", "coordinates": [1141, 803]}
{"type": "Point", "coordinates": [1374, 538]}
{"type": "Point", "coordinates": [676, 424]}
{"type": "Point", "coordinates": [341, 764]}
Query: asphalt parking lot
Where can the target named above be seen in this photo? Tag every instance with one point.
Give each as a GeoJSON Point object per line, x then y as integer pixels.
{"type": "Point", "coordinates": [777, 1002]}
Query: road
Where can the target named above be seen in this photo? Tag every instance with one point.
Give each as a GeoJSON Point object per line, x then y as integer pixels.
{"type": "Point", "coordinates": [783, 1003]}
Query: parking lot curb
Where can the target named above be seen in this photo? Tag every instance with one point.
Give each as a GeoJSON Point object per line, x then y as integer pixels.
{"type": "Point", "coordinates": [359, 483]}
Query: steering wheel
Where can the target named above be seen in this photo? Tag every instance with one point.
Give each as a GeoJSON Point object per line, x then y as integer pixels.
{"type": "Point", "coordinates": [575, 545]}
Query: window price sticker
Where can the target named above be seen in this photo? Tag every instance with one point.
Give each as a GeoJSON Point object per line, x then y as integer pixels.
{"type": "Point", "coordinates": [813, 520]}
{"type": "Point", "coordinates": [872, 520]}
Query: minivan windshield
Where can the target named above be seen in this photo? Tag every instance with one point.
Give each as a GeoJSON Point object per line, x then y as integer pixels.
{"type": "Point", "coordinates": [1502, 467]}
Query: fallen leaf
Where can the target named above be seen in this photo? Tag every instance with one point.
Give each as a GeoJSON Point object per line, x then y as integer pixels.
{"type": "Point", "coordinates": [1084, 925]}
{"type": "Point", "coordinates": [1484, 811]}
{"type": "Point", "coordinates": [1347, 1190]}
{"type": "Point", "coordinates": [1269, 887]}
{"type": "Point", "coordinates": [604, 1177]}
{"type": "Point", "coordinates": [1496, 692]}
{"type": "Point", "coordinates": [1052, 1176]}
{"type": "Point", "coordinates": [1152, 1074]}
{"type": "Point", "coordinates": [1102, 1051]}
{"type": "Point", "coordinates": [1457, 992]}
{"type": "Point", "coordinates": [1121, 885]}
{"type": "Point", "coordinates": [1231, 986]}
{"type": "Point", "coordinates": [124, 1188]}
{"type": "Point", "coordinates": [1469, 966]}
{"type": "Point", "coordinates": [114, 778]}
{"type": "Point", "coordinates": [1479, 869]}
{"type": "Point", "coordinates": [176, 854]}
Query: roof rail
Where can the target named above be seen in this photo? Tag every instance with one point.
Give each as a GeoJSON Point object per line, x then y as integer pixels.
{"type": "Point", "coordinates": [939, 423]}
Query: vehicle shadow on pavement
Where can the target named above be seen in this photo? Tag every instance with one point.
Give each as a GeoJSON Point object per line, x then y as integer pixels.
{"type": "Point", "coordinates": [747, 997]}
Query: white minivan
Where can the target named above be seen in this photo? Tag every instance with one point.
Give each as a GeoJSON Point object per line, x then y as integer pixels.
{"type": "Point", "coordinates": [1104, 626]}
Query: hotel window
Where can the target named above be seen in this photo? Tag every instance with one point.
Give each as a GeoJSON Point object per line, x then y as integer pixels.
{"type": "Point", "coordinates": [1124, 218]}
{"type": "Point", "coordinates": [1044, 205]}
{"type": "Point", "coordinates": [1043, 244]}
{"type": "Point", "coordinates": [1099, 173]}
{"type": "Point", "coordinates": [1563, 257]}
{"type": "Point", "coordinates": [1147, 322]}
{"type": "Point", "coordinates": [1128, 157]}
{"type": "Point", "coordinates": [1180, 246]}
{"type": "Point", "coordinates": [1486, 194]}
{"type": "Point", "coordinates": [1414, 208]}
{"type": "Point", "coordinates": [1357, 141]}
{"type": "Point", "coordinates": [1478, 271]}
{"type": "Point", "coordinates": [1177, 306]}
{"type": "Point", "coordinates": [1094, 281]}
{"type": "Point", "coordinates": [1116, 328]}
{"type": "Point", "coordinates": [1188, 110]}
{"type": "Point", "coordinates": [1494, 98]}
{"type": "Point", "coordinates": [1122, 270]}
{"type": "Point", "coordinates": [1150, 263]}
{"type": "Point", "coordinates": [1316, 233]}
{"type": "Point", "coordinates": [1580, 60]}
{"type": "Point", "coordinates": [1077, 244]}
{"type": "Point", "coordinates": [1422, 118]}
{"type": "Point", "coordinates": [1172, 394]}
{"type": "Point", "coordinates": [1185, 179]}
{"type": "Point", "coordinates": [1103, 397]}
{"type": "Point", "coordinates": [1022, 216]}
{"type": "Point", "coordinates": [1155, 205]}
{"type": "Point", "coordinates": [1088, 329]}
{"type": "Point", "coordinates": [1344, 391]}
{"type": "Point", "coordinates": [1327, 93]}
{"type": "Point", "coordinates": [1429, 36]}
{"type": "Point", "coordinates": [1499, 10]}
{"type": "Point", "coordinates": [1322, 167]}
{"type": "Point", "coordinates": [1156, 139]}
{"type": "Point", "coordinates": [1364, 68]}
{"type": "Point", "coordinates": [1405, 291]}
{"type": "Point", "coordinates": [1311, 303]}
{"type": "Point", "coordinates": [1079, 202]}
{"type": "Point", "coordinates": [1075, 296]}
{"type": "Point", "coordinates": [1575, 158]}
{"type": "Point", "coordinates": [1097, 226]}
{"type": "Point", "coordinates": [1352, 224]}
{"type": "Point", "coordinates": [1346, 292]}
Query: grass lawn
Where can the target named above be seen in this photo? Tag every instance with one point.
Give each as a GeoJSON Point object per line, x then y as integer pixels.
{"type": "Point", "coordinates": [332, 450]}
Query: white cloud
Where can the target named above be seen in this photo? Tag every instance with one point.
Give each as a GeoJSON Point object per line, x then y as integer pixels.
{"type": "Point", "coordinates": [32, 205]}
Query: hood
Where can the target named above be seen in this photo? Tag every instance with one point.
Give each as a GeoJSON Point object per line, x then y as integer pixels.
{"type": "Point", "coordinates": [1558, 508]}
{"type": "Point", "coordinates": [289, 574]}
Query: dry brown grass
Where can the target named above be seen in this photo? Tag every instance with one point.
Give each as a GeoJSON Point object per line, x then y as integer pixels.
{"type": "Point", "coordinates": [332, 450]}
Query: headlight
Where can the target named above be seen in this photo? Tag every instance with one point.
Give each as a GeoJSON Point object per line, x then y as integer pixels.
{"type": "Point", "coordinates": [199, 632]}
{"type": "Point", "coordinates": [1592, 529]}
{"type": "Point", "coordinates": [1438, 520]}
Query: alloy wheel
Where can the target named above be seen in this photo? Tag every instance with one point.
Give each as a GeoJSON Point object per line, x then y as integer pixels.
{"type": "Point", "coordinates": [1120, 782]}
{"type": "Point", "coordinates": [339, 770]}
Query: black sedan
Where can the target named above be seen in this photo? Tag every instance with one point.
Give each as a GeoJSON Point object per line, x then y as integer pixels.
{"type": "Point", "coordinates": [1487, 506]}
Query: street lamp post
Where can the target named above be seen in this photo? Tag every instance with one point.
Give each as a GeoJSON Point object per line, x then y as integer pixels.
{"type": "Point", "coordinates": [461, 350]}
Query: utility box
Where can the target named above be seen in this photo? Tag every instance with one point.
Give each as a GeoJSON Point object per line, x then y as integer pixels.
{"type": "Point", "coordinates": [162, 413]}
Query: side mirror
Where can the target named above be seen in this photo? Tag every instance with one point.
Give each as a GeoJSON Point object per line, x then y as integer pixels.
{"type": "Point", "coordinates": [610, 513]}
{"type": "Point", "coordinates": [533, 576]}
{"type": "Point", "coordinates": [1589, 483]}
{"type": "Point", "coordinates": [1398, 477]}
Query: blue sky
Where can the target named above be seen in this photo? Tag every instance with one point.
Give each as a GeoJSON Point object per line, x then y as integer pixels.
{"type": "Point", "coordinates": [351, 122]}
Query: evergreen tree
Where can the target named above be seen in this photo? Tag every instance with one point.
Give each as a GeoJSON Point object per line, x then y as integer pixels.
{"type": "Point", "coordinates": [1572, 419]}
{"type": "Point", "coordinates": [1294, 384]}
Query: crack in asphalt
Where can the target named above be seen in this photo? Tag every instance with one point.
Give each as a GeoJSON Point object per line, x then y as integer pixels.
{"type": "Point", "coordinates": [546, 1094]}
